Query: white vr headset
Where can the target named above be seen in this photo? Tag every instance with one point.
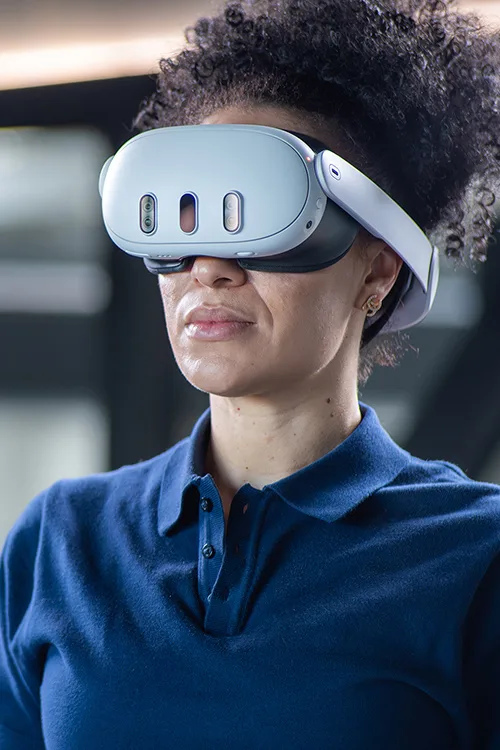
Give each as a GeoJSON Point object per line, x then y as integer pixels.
{"type": "Point", "coordinates": [270, 199]}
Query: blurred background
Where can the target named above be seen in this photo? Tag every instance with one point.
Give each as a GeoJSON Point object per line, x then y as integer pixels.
{"type": "Point", "coordinates": [87, 379]}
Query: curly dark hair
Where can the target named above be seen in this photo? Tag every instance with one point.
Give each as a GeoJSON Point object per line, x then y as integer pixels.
{"type": "Point", "coordinates": [411, 85]}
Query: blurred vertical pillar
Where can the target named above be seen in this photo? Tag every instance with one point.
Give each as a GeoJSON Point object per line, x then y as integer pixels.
{"type": "Point", "coordinates": [460, 421]}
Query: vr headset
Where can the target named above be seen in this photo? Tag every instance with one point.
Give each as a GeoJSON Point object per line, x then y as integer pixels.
{"type": "Point", "coordinates": [272, 200]}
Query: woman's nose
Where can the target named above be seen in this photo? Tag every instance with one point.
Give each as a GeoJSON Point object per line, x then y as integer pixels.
{"type": "Point", "coordinates": [211, 271]}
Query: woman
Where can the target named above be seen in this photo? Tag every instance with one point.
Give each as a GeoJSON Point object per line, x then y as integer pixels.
{"type": "Point", "coordinates": [288, 574]}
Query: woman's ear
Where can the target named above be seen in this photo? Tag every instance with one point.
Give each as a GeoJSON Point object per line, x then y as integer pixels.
{"type": "Point", "coordinates": [382, 269]}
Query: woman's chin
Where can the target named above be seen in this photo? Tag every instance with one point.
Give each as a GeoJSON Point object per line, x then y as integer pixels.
{"type": "Point", "coordinates": [230, 389]}
{"type": "Point", "coordinates": [229, 381]}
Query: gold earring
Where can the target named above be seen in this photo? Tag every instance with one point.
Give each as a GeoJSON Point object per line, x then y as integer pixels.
{"type": "Point", "coordinates": [372, 306]}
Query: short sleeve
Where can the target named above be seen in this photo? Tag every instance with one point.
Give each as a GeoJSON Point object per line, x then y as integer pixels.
{"type": "Point", "coordinates": [20, 674]}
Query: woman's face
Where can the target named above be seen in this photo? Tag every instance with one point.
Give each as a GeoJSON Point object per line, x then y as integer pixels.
{"type": "Point", "coordinates": [305, 327]}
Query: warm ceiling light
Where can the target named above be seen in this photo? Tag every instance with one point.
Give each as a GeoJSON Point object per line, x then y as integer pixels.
{"type": "Point", "coordinates": [84, 62]}
{"type": "Point", "coordinates": [44, 66]}
{"type": "Point", "coordinates": [487, 9]}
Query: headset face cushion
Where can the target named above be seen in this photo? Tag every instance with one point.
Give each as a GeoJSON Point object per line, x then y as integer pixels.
{"type": "Point", "coordinates": [332, 239]}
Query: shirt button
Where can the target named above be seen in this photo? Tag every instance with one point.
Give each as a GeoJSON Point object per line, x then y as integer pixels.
{"type": "Point", "coordinates": [206, 504]}
{"type": "Point", "coordinates": [208, 551]}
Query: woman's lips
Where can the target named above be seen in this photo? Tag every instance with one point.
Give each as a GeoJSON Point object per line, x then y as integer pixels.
{"type": "Point", "coordinates": [217, 330]}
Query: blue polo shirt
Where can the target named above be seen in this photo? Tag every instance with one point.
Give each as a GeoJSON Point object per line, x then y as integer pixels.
{"type": "Point", "coordinates": [352, 605]}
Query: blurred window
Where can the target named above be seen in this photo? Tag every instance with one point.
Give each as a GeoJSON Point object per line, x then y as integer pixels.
{"type": "Point", "coordinates": [54, 286]}
{"type": "Point", "coordinates": [42, 440]}
{"type": "Point", "coordinates": [51, 235]}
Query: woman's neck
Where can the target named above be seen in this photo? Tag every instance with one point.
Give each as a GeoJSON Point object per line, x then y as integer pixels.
{"type": "Point", "coordinates": [257, 442]}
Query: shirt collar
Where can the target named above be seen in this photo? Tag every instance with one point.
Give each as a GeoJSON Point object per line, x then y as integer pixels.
{"type": "Point", "coordinates": [327, 489]}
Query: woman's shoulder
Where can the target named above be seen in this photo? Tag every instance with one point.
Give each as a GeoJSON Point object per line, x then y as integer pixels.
{"type": "Point", "coordinates": [144, 474]}
{"type": "Point", "coordinates": [439, 489]}
{"type": "Point", "coordinates": [440, 475]}
{"type": "Point", "coordinates": [94, 498]}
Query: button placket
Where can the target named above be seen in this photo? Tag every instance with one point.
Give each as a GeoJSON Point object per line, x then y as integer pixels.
{"type": "Point", "coordinates": [211, 537]}
{"type": "Point", "coordinates": [234, 581]}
